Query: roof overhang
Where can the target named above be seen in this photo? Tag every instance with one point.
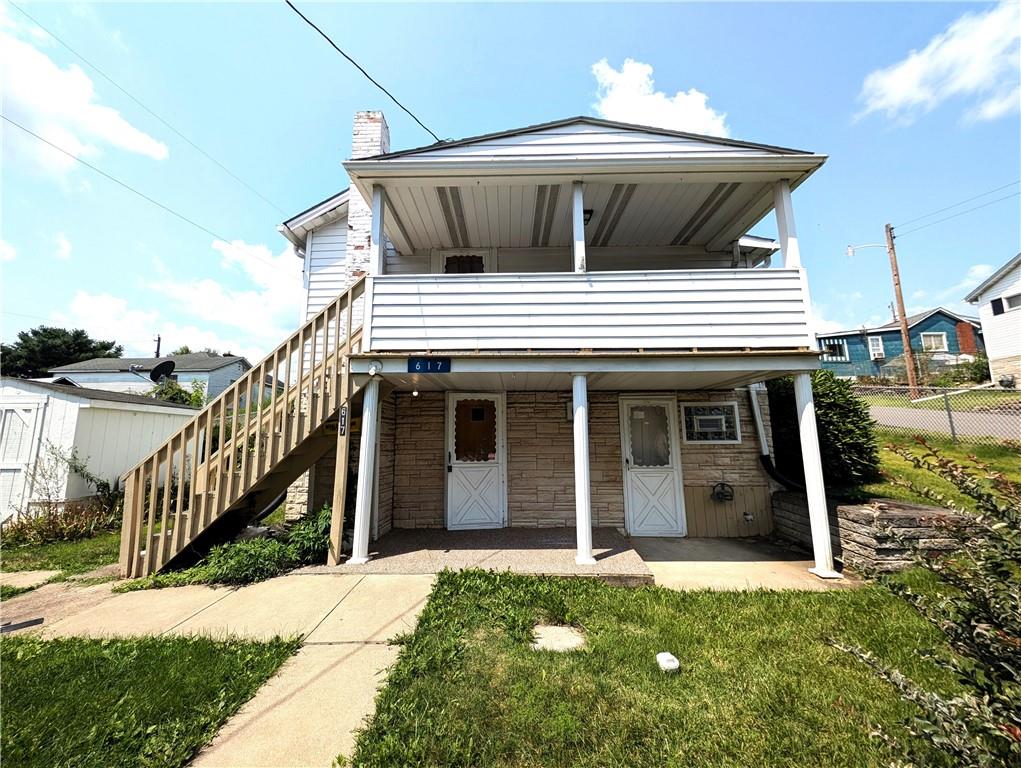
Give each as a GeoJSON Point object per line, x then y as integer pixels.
{"type": "Point", "coordinates": [972, 297]}
{"type": "Point", "coordinates": [296, 228]}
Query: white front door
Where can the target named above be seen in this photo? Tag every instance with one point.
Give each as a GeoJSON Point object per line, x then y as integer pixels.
{"type": "Point", "coordinates": [476, 461]}
{"type": "Point", "coordinates": [653, 495]}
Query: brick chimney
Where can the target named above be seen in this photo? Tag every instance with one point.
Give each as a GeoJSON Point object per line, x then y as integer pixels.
{"type": "Point", "coordinates": [371, 136]}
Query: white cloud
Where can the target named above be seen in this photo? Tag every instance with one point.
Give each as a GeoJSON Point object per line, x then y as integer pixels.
{"type": "Point", "coordinates": [629, 96]}
{"type": "Point", "coordinates": [63, 247]}
{"type": "Point", "coordinates": [204, 312]}
{"type": "Point", "coordinates": [7, 251]}
{"type": "Point", "coordinates": [977, 56]}
{"type": "Point", "coordinates": [60, 105]}
{"type": "Point", "coordinates": [821, 324]}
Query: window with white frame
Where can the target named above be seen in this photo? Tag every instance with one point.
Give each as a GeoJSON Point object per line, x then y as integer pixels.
{"type": "Point", "coordinates": [1012, 302]}
{"type": "Point", "coordinates": [876, 351]}
{"type": "Point", "coordinates": [834, 350]}
{"type": "Point", "coordinates": [711, 423]}
{"type": "Point", "coordinates": [934, 342]}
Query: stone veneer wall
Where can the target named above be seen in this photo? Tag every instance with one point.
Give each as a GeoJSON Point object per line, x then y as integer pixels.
{"type": "Point", "coordinates": [540, 465]}
{"type": "Point", "coordinates": [880, 536]}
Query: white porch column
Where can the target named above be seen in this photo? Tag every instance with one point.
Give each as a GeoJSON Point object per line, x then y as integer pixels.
{"type": "Point", "coordinates": [786, 230]}
{"type": "Point", "coordinates": [376, 237]}
{"type": "Point", "coordinates": [818, 515]}
{"type": "Point", "coordinates": [578, 220]}
{"type": "Point", "coordinates": [582, 494]}
{"type": "Point", "coordinates": [366, 472]}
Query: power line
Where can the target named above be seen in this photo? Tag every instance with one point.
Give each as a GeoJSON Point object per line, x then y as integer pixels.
{"type": "Point", "coordinates": [128, 187]}
{"type": "Point", "coordinates": [135, 99]}
{"type": "Point", "coordinates": [961, 213]}
{"type": "Point", "coordinates": [361, 69]}
{"type": "Point", "coordinates": [961, 202]}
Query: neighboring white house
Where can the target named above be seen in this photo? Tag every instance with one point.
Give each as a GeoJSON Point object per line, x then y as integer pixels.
{"type": "Point", "coordinates": [131, 374]}
{"type": "Point", "coordinates": [559, 325]}
{"type": "Point", "coordinates": [999, 308]}
{"type": "Point", "coordinates": [109, 431]}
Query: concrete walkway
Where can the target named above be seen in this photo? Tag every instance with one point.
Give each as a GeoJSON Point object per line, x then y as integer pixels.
{"type": "Point", "coordinates": [970, 423]}
{"type": "Point", "coordinates": [729, 564]}
{"type": "Point", "coordinates": [308, 712]}
{"type": "Point", "coordinates": [26, 579]}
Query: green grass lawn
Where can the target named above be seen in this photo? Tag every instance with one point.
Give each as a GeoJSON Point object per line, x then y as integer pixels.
{"type": "Point", "coordinates": [970, 401]}
{"type": "Point", "coordinates": [1002, 458]}
{"type": "Point", "coordinates": [106, 703]}
{"type": "Point", "coordinates": [70, 557]}
{"type": "Point", "coordinates": [758, 686]}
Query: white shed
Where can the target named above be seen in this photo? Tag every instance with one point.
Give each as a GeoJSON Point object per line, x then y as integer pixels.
{"type": "Point", "coordinates": [109, 431]}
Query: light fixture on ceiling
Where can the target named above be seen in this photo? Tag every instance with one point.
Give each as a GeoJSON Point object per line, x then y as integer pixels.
{"type": "Point", "coordinates": [414, 393]}
{"type": "Point", "coordinates": [587, 215]}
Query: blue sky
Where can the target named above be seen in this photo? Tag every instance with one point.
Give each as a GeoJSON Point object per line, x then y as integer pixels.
{"type": "Point", "coordinates": [915, 103]}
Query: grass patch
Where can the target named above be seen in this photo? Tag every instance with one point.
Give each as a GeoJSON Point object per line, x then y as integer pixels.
{"type": "Point", "coordinates": [1000, 457]}
{"type": "Point", "coordinates": [969, 400]}
{"type": "Point", "coordinates": [276, 517]}
{"type": "Point", "coordinates": [70, 557]}
{"type": "Point", "coordinates": [759, 684]}
{"type": "Point", "coordinates": [7, 591]}
{"type": "Point", "coordinates": [108, 703]}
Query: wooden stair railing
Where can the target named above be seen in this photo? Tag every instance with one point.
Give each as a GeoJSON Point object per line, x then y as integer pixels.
{"type": "Point", "coordinates": [215, 462]}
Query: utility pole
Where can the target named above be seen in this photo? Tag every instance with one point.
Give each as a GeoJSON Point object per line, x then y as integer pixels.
{"type": "Point", "coordinates": [157, 340]}
{"type": "Point", "coordinates": [909, 355]}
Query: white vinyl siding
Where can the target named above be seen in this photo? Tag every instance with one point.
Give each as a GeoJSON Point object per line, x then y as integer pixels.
{"type": "Point", "coordinates": [696, 309]}
{"type": "Point", "coordinates": [1002, 332]}
{"type": "Point", "coordinates": [934, 342]}
{"type": "Point", "coordinates": [325, 261]}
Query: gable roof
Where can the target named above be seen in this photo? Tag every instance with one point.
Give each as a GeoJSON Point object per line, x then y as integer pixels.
{"type": "Point", "coordinates": [591, 121]}
{"type": "Point", "coordinates": [992, 279]}
{"type": "Point", "coordinates": [196, 362]}
{"type": "Point", "coordinates": [296, 228]}
{"type": "Point", "coordinates": [95, 394]}
{"type": "Point", "coordinates": [894, 325]}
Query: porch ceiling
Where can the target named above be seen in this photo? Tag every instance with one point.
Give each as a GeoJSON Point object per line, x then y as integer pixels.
{"type": "Point", "coordinates": [708, 214]}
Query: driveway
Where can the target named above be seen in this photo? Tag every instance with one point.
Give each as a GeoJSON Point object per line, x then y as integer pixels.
{"type": "Point", "coordinates": [1004, 426]}
{"type": "Point", "coordinates": [308, 712]}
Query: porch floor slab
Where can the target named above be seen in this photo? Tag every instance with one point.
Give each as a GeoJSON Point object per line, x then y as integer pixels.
{"type": "Point", "coordinates": [729, 564]}
{"type": "Point", "coordinates": [545, 551]}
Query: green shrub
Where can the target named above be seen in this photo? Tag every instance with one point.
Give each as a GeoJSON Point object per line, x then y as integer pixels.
{"type": "Point", "coordinates": [975, 600]}
{"type": "Point", "coordinates": [847, 440]}
{"type": "Point", "coordinates": [308, 540]}
{"type": "Point", "coordinates": [244, 562]}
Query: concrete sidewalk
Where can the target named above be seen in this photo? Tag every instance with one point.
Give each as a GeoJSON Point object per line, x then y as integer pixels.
{"type": "Point", "coordinates": [308, 712]}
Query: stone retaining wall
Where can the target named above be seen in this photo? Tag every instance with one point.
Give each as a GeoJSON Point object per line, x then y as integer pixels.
{"type": "Point", "coordinates": [879, 536]}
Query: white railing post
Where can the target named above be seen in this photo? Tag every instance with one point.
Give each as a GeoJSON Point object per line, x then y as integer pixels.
{"type": "Point", "coordinates": [786, 229]}
{"type": "Point", "coordinates": [376, 236]}
{"type": "Point", "coordinates": [578, 222]}
{"type": "Point", "coordinates": [582, 493]}
{"type": "Point", "coordinates": [815, 490]}
{"type": "Point", "coordinates": [366, 473]}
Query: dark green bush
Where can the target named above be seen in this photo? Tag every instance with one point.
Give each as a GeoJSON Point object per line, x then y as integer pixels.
{"type": "Point", "coordinates": [847, 439]}
{"type": "Point", "coordinates": [242, 562]}
{"type": "Point", "coordinates": [308, 539]}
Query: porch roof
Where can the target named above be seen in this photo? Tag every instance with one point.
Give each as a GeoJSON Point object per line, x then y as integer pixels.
{"type": "Point", "coordinates": [645, 371]}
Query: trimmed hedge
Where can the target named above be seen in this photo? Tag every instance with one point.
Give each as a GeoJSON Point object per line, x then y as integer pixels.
{"type": "Point", "coordinates": [847, 439]}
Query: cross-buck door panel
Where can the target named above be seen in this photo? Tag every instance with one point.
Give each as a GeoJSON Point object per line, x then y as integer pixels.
{"type": "Point", "coordinates": [476, 461]}
{"type": "Point", "coordinates": [653, 497]}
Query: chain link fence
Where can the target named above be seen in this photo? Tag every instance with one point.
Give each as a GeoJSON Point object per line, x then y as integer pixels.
{"type": "Point", "coordinates": [980, 415]}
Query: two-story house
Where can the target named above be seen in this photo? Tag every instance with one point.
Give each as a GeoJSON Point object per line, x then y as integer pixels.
{"type": "Point", "coordinates": [999, 307]}
{"type": "Point", "coordinates": [559, 325]}
{"type": "Point", "coordinates": [943, 337]}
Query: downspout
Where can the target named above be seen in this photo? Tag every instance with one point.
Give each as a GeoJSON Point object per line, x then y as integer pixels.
{"type": "Point", "coordinates": [764, 458]}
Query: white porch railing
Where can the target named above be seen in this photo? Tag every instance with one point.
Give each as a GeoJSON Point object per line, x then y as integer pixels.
{"type": "Point", "coordinates": [707, 309]}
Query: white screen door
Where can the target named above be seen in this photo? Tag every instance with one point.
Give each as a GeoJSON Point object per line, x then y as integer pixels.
{"type": "Point", "coordinates": [476, 461]}
{"type": "Point", "coordinates": [17, 438]}
{"type": "Point", "coordinates": [653, 496]}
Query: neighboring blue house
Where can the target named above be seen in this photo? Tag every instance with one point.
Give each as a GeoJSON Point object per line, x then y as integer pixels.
{"type": "Point", "coordinates": [948, 337]}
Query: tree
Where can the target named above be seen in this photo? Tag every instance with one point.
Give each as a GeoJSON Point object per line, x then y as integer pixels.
{"type": "Point", "coordinates": [38, 350]}
{"type": "Point", "coordinates": [182, 350]}
{"type": "Point", "coordinates": [172, 392]}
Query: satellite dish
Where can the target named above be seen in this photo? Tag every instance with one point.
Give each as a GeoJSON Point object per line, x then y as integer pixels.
{"type": "Point", "coordinates": [161, 371]}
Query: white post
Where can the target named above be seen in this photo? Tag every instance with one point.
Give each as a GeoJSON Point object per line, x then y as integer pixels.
{"type": "Point", "coordinates": [818, 515]}
{"type": "Point", "coordinates": [376, 236]}
{"type": "Point", "coordinates": [366, 473]}
{"type": "Point", "coordinates": [578, 219]}
{"type": "Point", "coordinates": [786, 230]}
{"type": "Point", "coordinates": [582, 494]}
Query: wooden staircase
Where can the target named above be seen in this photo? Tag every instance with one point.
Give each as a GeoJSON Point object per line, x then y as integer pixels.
{"type": "Point", "coordinates": [243, 450]}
